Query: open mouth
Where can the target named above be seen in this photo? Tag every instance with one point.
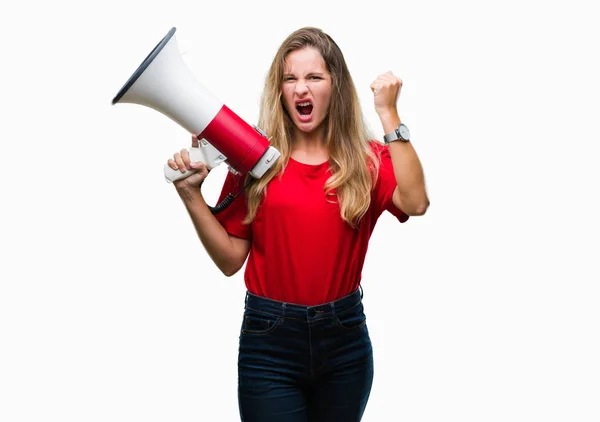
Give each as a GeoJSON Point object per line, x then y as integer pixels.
{"type": "Point", "coordinates": [304, 108]}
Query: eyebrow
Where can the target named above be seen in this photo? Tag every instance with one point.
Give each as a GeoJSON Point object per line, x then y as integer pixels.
{"type": "Point", "coordinates": [308, 74]}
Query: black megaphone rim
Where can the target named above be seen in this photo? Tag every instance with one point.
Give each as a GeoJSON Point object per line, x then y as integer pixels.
{"type": "Point", "coordinates": [144, 65]}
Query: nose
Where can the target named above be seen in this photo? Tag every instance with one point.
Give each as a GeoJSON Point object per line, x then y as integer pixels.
{"type": "Point", "coordinates": [301, 87]}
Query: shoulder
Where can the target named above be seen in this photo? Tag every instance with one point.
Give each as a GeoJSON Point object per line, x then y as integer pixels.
{"type": "Point", "coordinates": [376, 145]}
{"type": "Point", "coordinates": [380, 150]}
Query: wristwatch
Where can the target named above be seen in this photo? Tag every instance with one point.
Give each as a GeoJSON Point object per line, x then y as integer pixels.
{"type": "Point", "coordinates": [401, 133]}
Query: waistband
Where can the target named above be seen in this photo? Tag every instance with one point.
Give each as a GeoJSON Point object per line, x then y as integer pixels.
{"type": "Point", "coordinates": [292, 310]}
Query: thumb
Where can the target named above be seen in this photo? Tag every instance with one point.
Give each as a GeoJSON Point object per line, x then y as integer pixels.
{"type": "Point", "coordinates": [199, 166]}
{"type": "Point", "coordinates": [194, 140]}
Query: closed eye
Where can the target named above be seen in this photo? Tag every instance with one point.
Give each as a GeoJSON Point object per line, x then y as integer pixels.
{"type": "Point", "coordinates": [292, 78]}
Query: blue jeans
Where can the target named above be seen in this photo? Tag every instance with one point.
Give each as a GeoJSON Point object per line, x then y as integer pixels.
{"type": "Point", "coordinates": [304, 363]}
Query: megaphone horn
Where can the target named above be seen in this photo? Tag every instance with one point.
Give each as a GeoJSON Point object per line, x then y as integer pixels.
{"type": "Point", "coordinates": [164, 83]}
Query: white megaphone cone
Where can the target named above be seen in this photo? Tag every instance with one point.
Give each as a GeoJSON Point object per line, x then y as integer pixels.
{"type": "Point", "coordinates": [164, 83]}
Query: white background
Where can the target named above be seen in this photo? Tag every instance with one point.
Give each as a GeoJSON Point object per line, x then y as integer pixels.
{"type": "Point", "coordinates": [484, 309]}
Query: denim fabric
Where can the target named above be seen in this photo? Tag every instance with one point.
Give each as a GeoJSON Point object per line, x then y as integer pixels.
{"type": "Point", "coordinates": [304, 363]}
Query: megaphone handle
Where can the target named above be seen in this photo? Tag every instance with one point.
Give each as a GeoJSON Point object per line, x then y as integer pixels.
{"type": "Point", "coordinates": [196, 155]}
{"type": "Point", "coordinates": [173, 175]}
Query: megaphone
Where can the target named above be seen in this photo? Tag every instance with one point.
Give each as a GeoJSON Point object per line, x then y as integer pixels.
{"type": "Point", "coordinates": [164, 83]}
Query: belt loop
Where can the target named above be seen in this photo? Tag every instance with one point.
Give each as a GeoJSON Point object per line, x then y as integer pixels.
{"type": "Point", "coordinates": [361, 291]}
{"type": "Point", "coordinates": [333, 309]}
{"type": "Point", "coordinates": [283, 310]}
{"type": "Point", "coordinates": [246, 300]}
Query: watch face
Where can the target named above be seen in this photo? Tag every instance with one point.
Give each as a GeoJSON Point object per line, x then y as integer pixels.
{"type": "Point", "coordinates": [404, 132]}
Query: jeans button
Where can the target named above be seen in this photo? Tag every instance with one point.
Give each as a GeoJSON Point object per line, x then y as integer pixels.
{"type": "Point", "coordinates": [311, 313]}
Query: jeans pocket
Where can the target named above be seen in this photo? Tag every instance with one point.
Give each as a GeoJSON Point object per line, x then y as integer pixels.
{"type": "Point", "coordinates": [352, 319]}
{"type": "Point", "coordinates": [259, 323]}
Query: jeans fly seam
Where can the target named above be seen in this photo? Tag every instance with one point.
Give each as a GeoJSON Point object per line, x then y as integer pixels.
{"type": "Point", "coordinates": [310, 350]}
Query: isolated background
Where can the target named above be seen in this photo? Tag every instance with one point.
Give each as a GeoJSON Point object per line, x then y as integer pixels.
{"type": "Point", "coordinates": [484, 309]}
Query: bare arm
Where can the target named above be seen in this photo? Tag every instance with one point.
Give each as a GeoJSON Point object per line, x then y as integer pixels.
{"type": "Point", "coordinates": [228, 252]}
{"type": "Point", "coordinates": [410, 194]}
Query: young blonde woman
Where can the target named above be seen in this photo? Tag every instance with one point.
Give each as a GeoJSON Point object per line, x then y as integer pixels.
{"type": "Point", "coordinates": [305, 353]}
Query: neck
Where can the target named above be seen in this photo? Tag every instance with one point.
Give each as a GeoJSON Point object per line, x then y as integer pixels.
{"type": "Point", "coordinates": [312, 142]}
{"type": "Point", "coordinates": [309, 148]}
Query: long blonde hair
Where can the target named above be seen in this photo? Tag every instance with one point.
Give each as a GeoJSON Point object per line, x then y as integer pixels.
{"type": "Point", "coordinates": [354, 166]}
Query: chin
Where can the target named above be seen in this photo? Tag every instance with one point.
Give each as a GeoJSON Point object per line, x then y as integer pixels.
{"type": "Point", "coordinates": [308, 127]}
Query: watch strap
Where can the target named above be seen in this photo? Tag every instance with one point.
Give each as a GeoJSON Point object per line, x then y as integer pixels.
{"type": "Point", "coordinates": [395, 135]}
{"type": "Point", "coordinates": [391, 137]}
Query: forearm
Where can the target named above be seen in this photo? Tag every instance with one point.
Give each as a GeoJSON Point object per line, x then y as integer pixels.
{"type": "Point", "coordinates": [408, 170]}
{"type": "Point", "coordinates": [214, 237]}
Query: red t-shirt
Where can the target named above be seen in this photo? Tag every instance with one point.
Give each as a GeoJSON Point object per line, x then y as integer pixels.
{"type": "Point", "coordinates": [302, 251]}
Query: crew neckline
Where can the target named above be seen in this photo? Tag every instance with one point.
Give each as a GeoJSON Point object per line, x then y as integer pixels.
{"type": "Point", "coordinates": [309, 165]}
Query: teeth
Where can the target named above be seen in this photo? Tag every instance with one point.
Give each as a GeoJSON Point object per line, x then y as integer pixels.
{"type": "Point", "coordinates": [303, 104]}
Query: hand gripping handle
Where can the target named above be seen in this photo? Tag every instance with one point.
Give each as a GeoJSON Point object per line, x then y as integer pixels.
{"type": "Point", "coordinates": [173, 175]}
{"type": "Point", "coordinates": [211, 158]}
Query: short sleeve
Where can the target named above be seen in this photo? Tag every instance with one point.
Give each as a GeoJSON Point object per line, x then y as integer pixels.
{"type": "Point", "coordinates": [386, 183]}
{"type": "Point", "coordinates": [232, 216]}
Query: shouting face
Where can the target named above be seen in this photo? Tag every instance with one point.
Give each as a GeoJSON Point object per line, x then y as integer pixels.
{"type": "Point", "coordinates": [306, 89]}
